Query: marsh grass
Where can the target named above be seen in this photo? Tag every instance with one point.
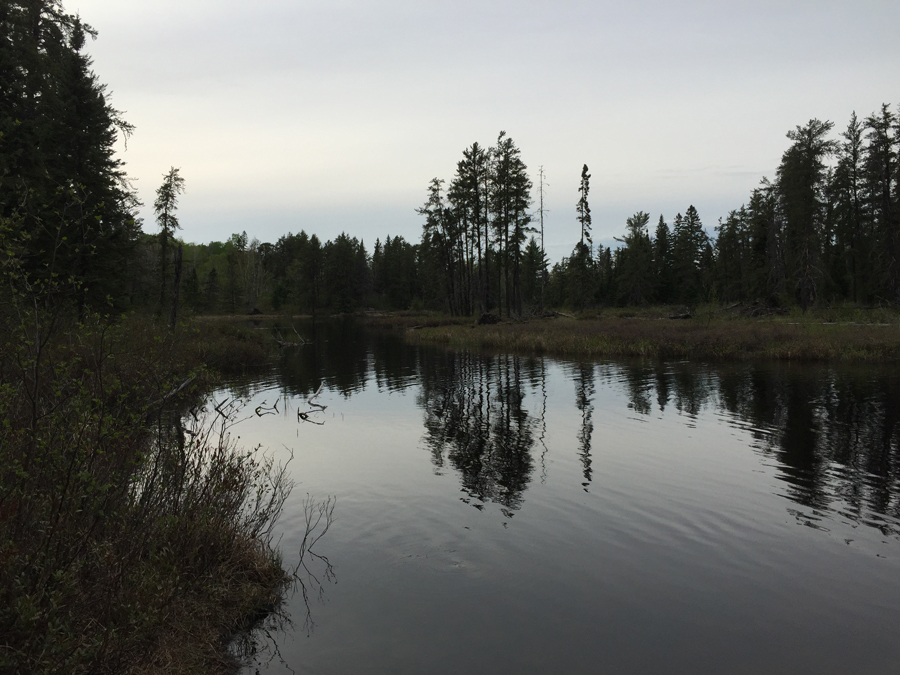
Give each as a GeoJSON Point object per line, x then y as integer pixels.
{"type": "Point", "coordinates": [711, 335]}
{"type": "Point", "coordinates": [407, 320]}
{"type": "Point", "coordinates": [135, 535]}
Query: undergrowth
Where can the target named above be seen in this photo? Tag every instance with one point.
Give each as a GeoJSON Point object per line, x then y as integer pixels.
{"type": "Point", "coordinates": [135, 536]}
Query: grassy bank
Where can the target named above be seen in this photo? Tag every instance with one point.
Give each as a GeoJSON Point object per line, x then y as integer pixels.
{"type": "Point", "coordinates": [710, 334]}
{"type": "Point", "coordinates": [134, 535]}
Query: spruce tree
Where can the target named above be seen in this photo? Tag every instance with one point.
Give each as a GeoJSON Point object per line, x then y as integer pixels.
{"type": "Point", "coordinates": [850, 227]}
{"type": "Point", "coordinates": [662, 262]}
{"type": "Point", "coordinates": [765, 267]}
{"type": "Point", "coordinates": [635, 271]}
{"type": "Point", "coordinates": [440, 227]}
{"type": "Point", "coordinates": [59, 179]}
{"type": "Point", "coordinates": [687, 251]}
{"type": "Point", "coordinates": [584, 209]}
{"type": "Point", "coordinates": [581, 270]}
{"type": "Point", "coordinates": [881, 188]}
{"type": "Point", "coordinates": [801, 182]}
{"type": "Point", "coordinates": [165, 206]}
{"type": "Point", "coordinates": [534, 266]}
{"type": "Point", "coordinates": [731, 257]}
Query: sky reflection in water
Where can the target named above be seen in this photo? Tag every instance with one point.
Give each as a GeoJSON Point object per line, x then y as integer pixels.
{"type": "Point", "coordinates": [510, 514]}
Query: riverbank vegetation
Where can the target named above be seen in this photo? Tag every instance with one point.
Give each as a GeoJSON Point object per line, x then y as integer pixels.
{"type": "Point", "coordinates": [847, 335]}
{"type": "Point", "coordinates": [134, 533]}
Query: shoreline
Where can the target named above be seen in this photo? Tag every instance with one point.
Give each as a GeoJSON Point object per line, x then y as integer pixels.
{"type": "Point", "coordinates": [706, 337]}
{"type": "Point", "coordinates": [135, 536]}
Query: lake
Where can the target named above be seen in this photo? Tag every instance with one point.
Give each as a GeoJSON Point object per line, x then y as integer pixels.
{"type": "Point", "coordinates": [513, 514]}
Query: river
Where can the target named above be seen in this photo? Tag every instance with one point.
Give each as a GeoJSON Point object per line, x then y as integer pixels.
{"type": "Point", "coordinates": [520, 514]}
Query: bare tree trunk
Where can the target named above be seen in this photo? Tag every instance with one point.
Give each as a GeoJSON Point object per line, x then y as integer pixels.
{"type": "Point", "coordinates": [177, 286]}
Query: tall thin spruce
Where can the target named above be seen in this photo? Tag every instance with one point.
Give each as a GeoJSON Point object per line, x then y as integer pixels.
{"type": "Point", "coordinates": [164, 206]}
{"type": "Point", "coordinates": [584, 211]}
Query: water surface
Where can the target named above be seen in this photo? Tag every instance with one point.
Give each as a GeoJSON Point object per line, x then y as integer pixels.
{"type": "Point", "coordinates": [506, 514]}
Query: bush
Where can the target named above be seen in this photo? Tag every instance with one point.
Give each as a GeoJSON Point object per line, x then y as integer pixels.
{"type": "Point", "coordinates": [131, 527]}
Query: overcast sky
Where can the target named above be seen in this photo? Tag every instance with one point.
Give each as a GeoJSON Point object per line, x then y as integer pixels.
{"type": "Point", "coordinates": [327, 116]}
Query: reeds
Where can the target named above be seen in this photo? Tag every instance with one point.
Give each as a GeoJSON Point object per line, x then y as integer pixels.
{"type": "Point", "coordinates": [707, 337]}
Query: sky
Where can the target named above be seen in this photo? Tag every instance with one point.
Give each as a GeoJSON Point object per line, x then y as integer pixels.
{"type": "Point", "coordinates": [334, 115]}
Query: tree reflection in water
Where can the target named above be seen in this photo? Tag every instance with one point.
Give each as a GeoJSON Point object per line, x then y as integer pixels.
{"type": "Point", "coordinates": [833, 431]}
{"type": "Point", "coordinates": [584, 397]}
{"type": "Point", "coordinates": [476, 421]}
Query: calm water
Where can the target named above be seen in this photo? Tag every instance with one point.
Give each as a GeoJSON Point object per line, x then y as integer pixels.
{"type": "Point", "coordinates": [502, 514]}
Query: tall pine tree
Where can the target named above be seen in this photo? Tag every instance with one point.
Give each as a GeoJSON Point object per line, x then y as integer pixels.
{"type": "Point", "coordinates": [165, 206]}
{"type": "Point", "coordinates": [60, 182]}
{"type": "Point", "coordinates": [801, 182]}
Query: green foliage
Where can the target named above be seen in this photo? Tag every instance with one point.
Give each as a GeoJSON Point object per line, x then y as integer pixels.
{"type": "Point", "coordinates": [394, 273]}
{"type": "Point", "coordinates": [732, 257]}
{"type": "Point", "coordinates": [881, 171]}
{"type": "Point", "coordinates": [688, 246]}
{"type": "Point", "coordinates": [114, 521]}
{"type": "Point", "coordinates": [534, 275]}
{"type": "Point", "coordinates": [166, 202]}
{"type": "Point", "coordinates": [59, 180]}
{"type": "Point", "coordinates": [345, 273]}
{"type": "Point", "coordinates": [801, 184]}
{"type": "Point", "coordinates": [635, 267]}
{"type": "Point", "coordinates": [117, 526]}
{"type": "Point", "coordinates": [580, 278]}
{"type": "Point", "coordinates": [662, 263]}
{"type": "Point", "coordinates": [583, 208]}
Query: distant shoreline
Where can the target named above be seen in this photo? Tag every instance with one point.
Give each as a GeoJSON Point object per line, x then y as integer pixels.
{"type": "Point", "coordinates": [864, 336]}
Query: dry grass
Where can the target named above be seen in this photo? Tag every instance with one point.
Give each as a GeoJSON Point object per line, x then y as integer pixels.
{"type": "Point", "coordinates": [411, 320]}
{"type": "Point", "coordinates": [197, 630]}
{"type": "Point", "coordinates": [708, 337]}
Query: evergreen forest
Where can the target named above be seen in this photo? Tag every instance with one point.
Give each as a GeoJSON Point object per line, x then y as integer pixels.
{"type": "Point", "coordinates": [824, 229]}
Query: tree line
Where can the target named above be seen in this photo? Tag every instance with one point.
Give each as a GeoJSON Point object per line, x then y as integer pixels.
{"type": "Point", "coordinates": [823, 229]}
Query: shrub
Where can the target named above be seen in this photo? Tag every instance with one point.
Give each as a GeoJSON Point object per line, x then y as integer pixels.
{"type": "Point", "coordinates": [129, 521]}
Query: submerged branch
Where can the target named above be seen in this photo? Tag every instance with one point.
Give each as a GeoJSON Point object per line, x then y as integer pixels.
{"type": "Point", "coordinates": [318, 517]}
